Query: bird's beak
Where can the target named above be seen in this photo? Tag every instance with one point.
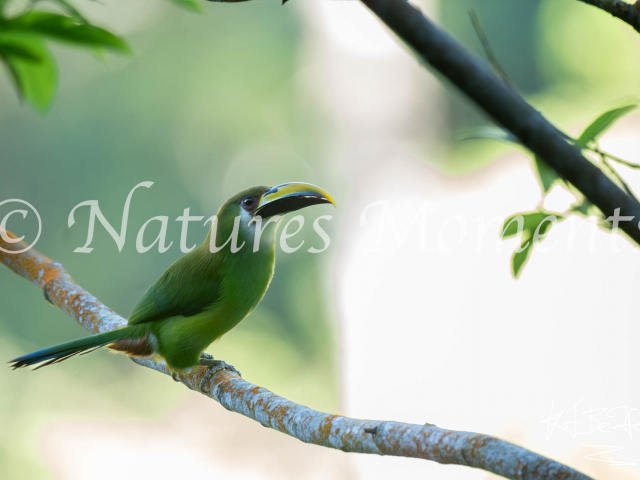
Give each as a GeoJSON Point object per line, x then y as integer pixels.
{"type": "Point", "coordinates": [290, 197]}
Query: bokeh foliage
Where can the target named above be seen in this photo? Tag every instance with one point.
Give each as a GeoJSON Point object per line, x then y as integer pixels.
{"type": "Point", "coordinates": [203, 110]}
{"type": "Point", "coordinates": [24, 38]}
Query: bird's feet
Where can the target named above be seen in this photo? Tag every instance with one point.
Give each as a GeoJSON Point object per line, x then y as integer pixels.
{"type": "Point", "coordinates": [213, 367]}
{"type": "Point", "coordinates": [205, 356]}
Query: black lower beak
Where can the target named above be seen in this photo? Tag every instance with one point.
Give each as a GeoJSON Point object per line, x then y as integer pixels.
{"type": "Point", "coordinates": [289, 204]}
{"type": "Point", "coordinates": [290, 197]}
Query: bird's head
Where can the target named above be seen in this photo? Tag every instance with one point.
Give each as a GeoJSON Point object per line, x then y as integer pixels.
{"type": "Point", "coordinates": [262, 204]}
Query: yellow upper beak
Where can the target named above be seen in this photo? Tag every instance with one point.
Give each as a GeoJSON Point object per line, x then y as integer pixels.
{"type": "Point", "coordinates": [290, 197]}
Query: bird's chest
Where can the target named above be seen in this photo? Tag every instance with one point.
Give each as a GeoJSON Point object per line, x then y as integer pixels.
{"type": "Point", "coordinates": [243, 291]}
{"type": "Point", "coordinates": [248, 288]}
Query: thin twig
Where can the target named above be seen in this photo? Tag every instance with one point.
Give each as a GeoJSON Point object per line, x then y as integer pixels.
{"type": "Point", "coordinates": [597, 150]}
{"type": "Point", "coordinates": [486, 45]}
{"type": "Point", "coordinates": [350, 435]}
{"type": "Point", "coordinates": [619, 160]}
{"type": "Point", "coordinates": [613, 172]}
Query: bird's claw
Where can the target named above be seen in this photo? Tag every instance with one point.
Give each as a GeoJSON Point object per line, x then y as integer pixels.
{"type": "Point", "coordinates": [213, 366]}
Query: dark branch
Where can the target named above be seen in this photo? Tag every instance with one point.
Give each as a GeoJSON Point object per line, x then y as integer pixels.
{"type": "Point", "coordinates": [478, 82]}
{"type": "Point", "coordinates": [627, 12]}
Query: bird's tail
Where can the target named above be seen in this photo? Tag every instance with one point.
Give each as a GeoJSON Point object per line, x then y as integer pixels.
{"type": "Point", "coordinates": [61, 352]}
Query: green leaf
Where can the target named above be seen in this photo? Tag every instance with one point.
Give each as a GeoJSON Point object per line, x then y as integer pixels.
{"type": "Point", "coordinates": [603, 123]}
{"type": "Point", "coordinates": [65, 28]}
{"type": "Point", "coordinates": [35, 80]}
{"type": "Point", "coordinates": [191, 5]}
{"type": "Point", "coordinates": [519, 259]}
{"type": "Point", "coordinates": [16, 49]}
{"type": "Point", "coordinates": [546, 175]}
{"type": "Point", "coordinates": [488, 133]}
{"type": "Point", "coordinates": [527, 224]}
{"type": "Point", "coordinates": [582, 208]}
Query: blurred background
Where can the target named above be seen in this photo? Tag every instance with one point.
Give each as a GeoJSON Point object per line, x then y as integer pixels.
{"type": "Point", "coordinates": [405, 318]}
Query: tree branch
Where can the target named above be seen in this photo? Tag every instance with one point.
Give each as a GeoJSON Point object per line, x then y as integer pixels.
{"type": "Point", "coordinates": [478, 82]}
{"type": "Point", "coordinates": [627, 12]}
{"type": "Point", "coordinates": [347, 434]}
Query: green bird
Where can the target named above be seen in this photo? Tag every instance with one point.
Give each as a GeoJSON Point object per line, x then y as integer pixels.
{"type": "Point", "coordinates": [206, 292]}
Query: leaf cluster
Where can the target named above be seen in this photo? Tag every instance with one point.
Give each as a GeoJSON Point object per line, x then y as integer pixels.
{"type": "Point", "coordinates": [25, 37]}
{"type": "Point", "coordinates": [537, 223]}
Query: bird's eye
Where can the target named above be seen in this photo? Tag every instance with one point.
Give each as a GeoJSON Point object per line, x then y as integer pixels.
{"type": "Point", "coordinates": [248, 203]}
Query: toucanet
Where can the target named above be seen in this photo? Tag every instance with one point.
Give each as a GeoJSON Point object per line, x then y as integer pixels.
{"type": "Point", "coordinates": [206, 292]}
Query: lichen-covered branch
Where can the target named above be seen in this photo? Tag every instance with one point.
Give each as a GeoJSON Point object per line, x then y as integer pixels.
{"type": "Point", "coordinates": [347, 434]}
{"type": "Point", "coordinates": [627, 12]}
{"type": "Point", "coordinates": [479, 83]}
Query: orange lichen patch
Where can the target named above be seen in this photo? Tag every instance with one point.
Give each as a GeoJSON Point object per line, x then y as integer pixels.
{"type": "Point", "coordinates": [478, 445]}
{"type": "Point", "coordinates": [235, 394]}
{"type": "Point", "coordinates": [255, 390]}
{"type": "Point", "coordinates": [30, 264]}
{"type": "Point", "coordinates": [279, 415]}
{"type": "Point", "coordinates": [325, 429]}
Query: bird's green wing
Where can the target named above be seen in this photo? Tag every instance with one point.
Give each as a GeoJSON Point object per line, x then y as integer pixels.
{"type": "Point", "coordinates": [188, 287]}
